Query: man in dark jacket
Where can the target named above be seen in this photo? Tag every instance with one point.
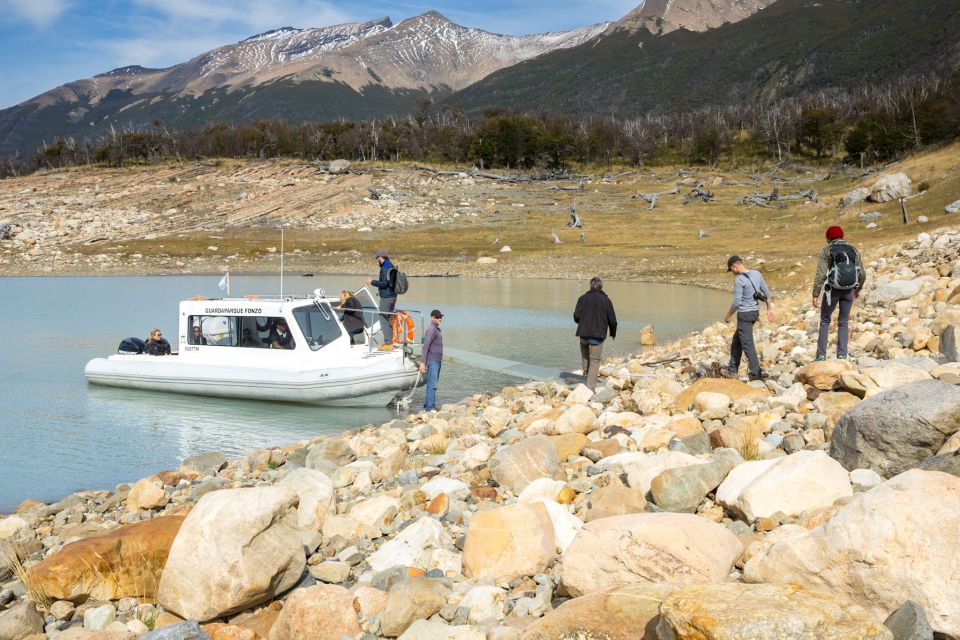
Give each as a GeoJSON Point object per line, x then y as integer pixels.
{"type": "Point", "coordinates": [385, 283]}
{"type": "Point", "coordinates": [594, 315]}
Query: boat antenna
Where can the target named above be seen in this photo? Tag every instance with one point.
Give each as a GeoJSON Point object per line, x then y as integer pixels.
{"type": "Point", "coordinates": [281, 261]}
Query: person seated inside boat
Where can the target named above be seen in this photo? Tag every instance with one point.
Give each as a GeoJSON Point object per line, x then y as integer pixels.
{"type": "Point", "coordinates": [280, 337]}
{"type": "Point", "coordinates": [196, 336]}
{"type": "Point", "coordinates": [268, 326]}
{"type": "Point", "coordinates": [248, 340]}
{"type": "Point", "coordinates": [157, 345]}
{"type": "Point", "coordinates": [352, 319]}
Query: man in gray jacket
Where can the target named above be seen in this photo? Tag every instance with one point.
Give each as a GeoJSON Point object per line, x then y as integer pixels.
{"type": "Point", "coordinates": [749, 289]}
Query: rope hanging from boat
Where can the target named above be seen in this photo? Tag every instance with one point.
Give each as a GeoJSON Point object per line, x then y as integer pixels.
{"type": "Point", "coordinates": [403, 402]}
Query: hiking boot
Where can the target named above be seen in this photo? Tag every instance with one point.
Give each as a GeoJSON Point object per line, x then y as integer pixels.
{"type": "Point", "coordinates": [760, 376]}
{"type": "Point", "coordinates": [821, 358]}
{"type": "Point", "coordinates": [728, 372]}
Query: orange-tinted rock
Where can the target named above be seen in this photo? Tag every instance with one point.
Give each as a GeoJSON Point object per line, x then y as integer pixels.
{"type": "Point", "coordinates": [126, 562]}
{"type": "Point", "coordinates": [321, 611]}
{"type": "Point", "coordinates": [569, 444]}
{"type": "Point", "coordinates": [262, 621]}
{"type": "Point", "coordinates": [221, 631]}
{"type": "Point", "coordinates": [485, 493]}
{"type": "Point", "coordinates": [566, 496]}
{"type": "Point", "coordinates": [439, 505]}
{"type": "Point", "coordinates": [733, 389]}
{"type": "Point", "coordinates": [606, 447]}
{"type": "Point", "coordinates": [27, 505]}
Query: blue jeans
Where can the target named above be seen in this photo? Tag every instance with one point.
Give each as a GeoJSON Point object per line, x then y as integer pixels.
{"type": "Point", "coordinates": [433, 377]}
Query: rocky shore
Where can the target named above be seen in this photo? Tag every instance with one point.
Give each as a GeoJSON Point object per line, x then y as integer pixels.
{"type": "Point", "coordinates": [821, 503]}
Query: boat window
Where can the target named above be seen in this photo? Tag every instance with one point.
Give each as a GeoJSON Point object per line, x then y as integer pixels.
{"type": "Point", "coordinates": [318, 324]}
{"type": "Point", "coordinates": [214, 330]}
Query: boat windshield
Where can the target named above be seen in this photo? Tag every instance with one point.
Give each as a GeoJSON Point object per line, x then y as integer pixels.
{"type": "Point", "coordinates": [318, 324]}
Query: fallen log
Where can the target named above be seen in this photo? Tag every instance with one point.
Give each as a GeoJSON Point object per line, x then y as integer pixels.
{"type": "Point", "coordinates": [652, 197]}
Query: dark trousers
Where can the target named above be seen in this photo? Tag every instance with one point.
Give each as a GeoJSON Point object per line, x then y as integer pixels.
{"type": "Point", "coordinates": [843, 300]}
{"type": "Point", "coordinates": [743, 342]}
{"type": "Point", "coordinates": [386, 319]}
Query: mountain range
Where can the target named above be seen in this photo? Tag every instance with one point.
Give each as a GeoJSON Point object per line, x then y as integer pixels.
{"type": "Point", "coordinates": [663, 53]}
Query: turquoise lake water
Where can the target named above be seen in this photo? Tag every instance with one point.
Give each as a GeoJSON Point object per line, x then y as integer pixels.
{"type": "Point", "coordinates": [59, 435]}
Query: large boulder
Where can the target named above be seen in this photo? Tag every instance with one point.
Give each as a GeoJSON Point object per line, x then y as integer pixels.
{"type": "Point", "coordinates": [516, 466]}
{"type": "Point", "coordinates": [799, 482]}
{"type": "Point", "coordinates": [237, 548]}
{"type": "Point", "coordinates": [126, 562]}
{"type": "Point", "coordinates": [317, 497]}
{"type": "Point", "coordinates": [946, 463]}
{"type": "Point", "coordinates": [823, 374]}
{"type": "Point", "coordinates": [684, 488]}
{"type": "Point", "coordinates": [642, 468]}
{"type": "Point", "coordinates": [678, 548]}
{"type": "Point", "coordinates": [891, 186]}
{"type": "Point", "coordinates": [415, 598]}
{"type": "Point", "coordinates": [509, 542]}
{"type": "Point", "coordinates": [20, 621]}
{"type": "Point", "coordinates": [620, 613]}
{"type": "Point", "coordinates": [895, 430]}
{"type": "Point", "coordinates": [893, 375]}
{"type": "Point", "coordinates": [733, 389]}
{"type": "Point", "coordinates": [894, 543]}
{"type": "Point", "coordinates": [764, 611]}
{"type": "Point", "coordinates": [577, 419]}
{"type": "Point", "coordinates": [895, 290]}
{"type": "Point", "coordinates": [320, 611]}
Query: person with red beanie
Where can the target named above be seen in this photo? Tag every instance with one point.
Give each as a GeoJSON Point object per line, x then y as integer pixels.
{"type": "Point", "coordinates": [840, 277]}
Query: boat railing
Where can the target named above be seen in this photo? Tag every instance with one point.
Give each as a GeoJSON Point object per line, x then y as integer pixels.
{"type": "Point", "coordinates": [370, 333]}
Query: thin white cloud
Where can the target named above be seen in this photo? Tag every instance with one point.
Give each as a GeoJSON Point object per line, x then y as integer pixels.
{"type": "Point", "coordinates": [254, 14]}
{"type": "Point", "coordinates": [39, 13]}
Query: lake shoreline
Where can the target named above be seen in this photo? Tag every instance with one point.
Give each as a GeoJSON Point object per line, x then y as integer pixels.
{"type": "Point", "coordinates": [757, 489]}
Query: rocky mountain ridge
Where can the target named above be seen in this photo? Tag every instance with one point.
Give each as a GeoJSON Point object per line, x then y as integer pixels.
{"type": "Point", "coordinates": [664, 16]}
{"type": "Point", "coordinates": [353, 71]}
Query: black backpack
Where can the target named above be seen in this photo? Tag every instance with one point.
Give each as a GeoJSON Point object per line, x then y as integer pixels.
{"type": "Point", "coordinates": [842, 273]}
{"type": "Point", "coordinates": [399, 281]}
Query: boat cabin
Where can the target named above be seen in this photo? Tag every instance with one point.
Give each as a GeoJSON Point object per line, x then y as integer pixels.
{"type": "Point", "coordinates": [282, 325]}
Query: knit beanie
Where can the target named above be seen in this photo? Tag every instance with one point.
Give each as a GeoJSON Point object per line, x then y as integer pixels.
{"type": "Point", "coordinates": [834, 233]}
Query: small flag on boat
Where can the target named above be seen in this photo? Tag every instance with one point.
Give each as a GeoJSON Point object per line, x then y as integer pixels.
{"type": "Point", "coordinates": [223, 283]}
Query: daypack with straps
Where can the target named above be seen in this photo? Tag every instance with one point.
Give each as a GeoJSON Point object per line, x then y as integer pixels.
{"type": "Point", "coordinates": [399, 281]}
{"type": "Point", "coordinates": [842, 273]}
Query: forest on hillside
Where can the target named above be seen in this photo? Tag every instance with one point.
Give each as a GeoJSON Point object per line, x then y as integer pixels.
{"type": "Point", "coordinates": [869, 124]}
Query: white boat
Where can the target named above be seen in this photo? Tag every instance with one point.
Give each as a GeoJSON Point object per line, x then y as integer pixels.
{"type": "Point", "coordinates": [234, 355]}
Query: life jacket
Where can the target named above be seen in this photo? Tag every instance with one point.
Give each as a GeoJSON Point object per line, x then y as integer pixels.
{"type": "Point", "coordinates": [404, 329]}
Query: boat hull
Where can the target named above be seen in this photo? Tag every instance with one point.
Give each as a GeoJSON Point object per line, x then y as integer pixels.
{"type": "Point", "coordinates": [346, 386]}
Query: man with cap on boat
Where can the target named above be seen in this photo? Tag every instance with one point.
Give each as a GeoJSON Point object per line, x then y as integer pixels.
{"type": "Point", "coordinates": [385, 283]}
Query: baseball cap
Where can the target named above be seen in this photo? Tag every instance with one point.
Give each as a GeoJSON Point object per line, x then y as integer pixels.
{"type": "Point", "coordinates": [381, 254]}
{"type": "Point", "coordinates": [732, 260]}
{"type": "Point", "coordinates": [436, 314]}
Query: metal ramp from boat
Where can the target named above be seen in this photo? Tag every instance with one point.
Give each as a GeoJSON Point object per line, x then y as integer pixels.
{"type": "Point", "coordinates": [508, 367]}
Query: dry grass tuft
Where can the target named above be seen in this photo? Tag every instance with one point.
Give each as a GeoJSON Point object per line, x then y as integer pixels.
{"type": "Point", "coordinates": [10, 555]}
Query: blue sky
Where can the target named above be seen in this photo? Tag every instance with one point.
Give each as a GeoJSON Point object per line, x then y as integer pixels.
{"type": "Point", "coordinates": [45, 43]}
